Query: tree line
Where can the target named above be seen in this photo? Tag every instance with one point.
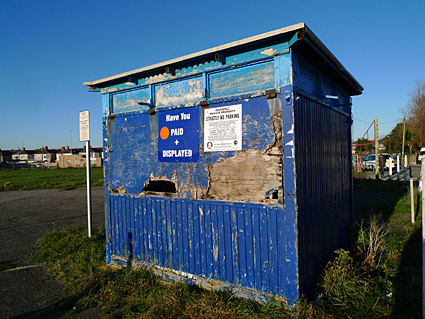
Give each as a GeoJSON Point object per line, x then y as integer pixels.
{"type": "Point", "coordinates": [413, 126]}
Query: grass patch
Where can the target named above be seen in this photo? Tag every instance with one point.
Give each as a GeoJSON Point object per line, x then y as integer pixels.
{"type": "Point", "coordinates": [380, 276]}
{"type": "Point", "coordinates": [4, 267]}
{"type": "Point", "coordinates": [25, 179]}
{"type": "Point", "coordinates": [78, 262]}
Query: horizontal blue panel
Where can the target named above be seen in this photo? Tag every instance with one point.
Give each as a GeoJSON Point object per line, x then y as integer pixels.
{"type": "Point", "coordinates": [128, 101]}
{"type": "Point", "coordinates": [182, 92]}
{"type": "Point", "coordinates": [242, 80]}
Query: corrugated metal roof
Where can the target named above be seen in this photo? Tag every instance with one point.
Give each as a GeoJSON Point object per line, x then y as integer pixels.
{"type": "Point", "coordinates": [305, 34]}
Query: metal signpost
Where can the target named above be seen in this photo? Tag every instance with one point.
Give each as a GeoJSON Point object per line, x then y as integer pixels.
{"type": "Point", "coordinates": [85, 136]}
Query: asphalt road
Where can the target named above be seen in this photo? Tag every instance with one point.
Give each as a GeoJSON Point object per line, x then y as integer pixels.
{"type": "Point", "coordinates": [24, 217]}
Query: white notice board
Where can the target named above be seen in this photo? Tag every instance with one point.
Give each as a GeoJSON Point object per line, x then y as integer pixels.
{"type": "Point", "coordinates": [84, 126]}
{"type": "Point", "coordinates": [223, 128]}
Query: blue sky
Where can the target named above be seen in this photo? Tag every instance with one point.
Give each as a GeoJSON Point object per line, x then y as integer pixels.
{"type": "Point", "coordinates": [49, 48]}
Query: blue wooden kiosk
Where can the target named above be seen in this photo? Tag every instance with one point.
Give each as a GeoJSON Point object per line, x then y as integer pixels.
{"type": "Point", "coordinates": [231, 167]}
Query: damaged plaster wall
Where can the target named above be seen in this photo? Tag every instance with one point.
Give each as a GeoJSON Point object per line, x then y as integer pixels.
{"type": "Point", "coordinates": [251, 175]}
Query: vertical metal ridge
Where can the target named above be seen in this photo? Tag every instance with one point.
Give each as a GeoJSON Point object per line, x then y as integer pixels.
{"type": "Point", "coordinates": [238, 243]}
{"type": "Point", "coordinates": [323, 158]}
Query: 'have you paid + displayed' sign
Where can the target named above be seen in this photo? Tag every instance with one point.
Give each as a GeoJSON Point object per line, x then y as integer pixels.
{"type": "Point", "coordinates": [178, 138]}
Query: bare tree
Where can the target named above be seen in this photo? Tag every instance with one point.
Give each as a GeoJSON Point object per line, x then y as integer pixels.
{"type": "Point", "coordinates": [415, 113]}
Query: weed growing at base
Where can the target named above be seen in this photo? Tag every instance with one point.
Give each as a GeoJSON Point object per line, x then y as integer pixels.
{"type": "Point", "coordinates": [380, 276]}
{"type": "Point", "coordinates": [78, 261]}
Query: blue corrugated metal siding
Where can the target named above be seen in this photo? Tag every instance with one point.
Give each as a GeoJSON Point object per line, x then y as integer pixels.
{"type": "Point", "coordinates": [323, 161]}
{"type": "Point", "coordinates": [238, 243]}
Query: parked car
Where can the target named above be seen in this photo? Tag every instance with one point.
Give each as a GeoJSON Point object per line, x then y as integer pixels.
{"type": "Point", "coordinates": [421, 154]}
{"type": "Point", "coordinates": [369, 161]}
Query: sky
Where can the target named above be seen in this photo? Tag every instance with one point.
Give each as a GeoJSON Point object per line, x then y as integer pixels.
{"type": "Point", "coordinates": [49, 48]}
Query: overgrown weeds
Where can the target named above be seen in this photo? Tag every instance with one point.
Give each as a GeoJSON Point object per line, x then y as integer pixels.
{"type": "Point", "coordinates": [371, 242]}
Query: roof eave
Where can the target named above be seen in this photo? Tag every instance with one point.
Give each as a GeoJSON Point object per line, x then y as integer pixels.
{"type": "Point", "coordinates": [309, 36]}
{"type": "Point", "coordinates": [293, 28]}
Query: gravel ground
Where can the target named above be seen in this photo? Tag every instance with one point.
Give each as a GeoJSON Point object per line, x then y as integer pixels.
{"type": "Point", "coordinates": [24, 217]}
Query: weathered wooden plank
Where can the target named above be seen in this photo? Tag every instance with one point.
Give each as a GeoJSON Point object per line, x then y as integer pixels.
{"type": "Point", "coordinates": [248, 79]}
{"type": "Point", "coordinates": [128, 101]}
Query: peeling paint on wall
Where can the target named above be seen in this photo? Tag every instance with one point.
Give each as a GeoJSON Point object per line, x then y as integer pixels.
{"type": "Point", "coordinates": [247, 79]}
{"type": "Point", "coordinates": [129, 101]}
{"type": "Point", "coordinates": [120, 190]}
{"type": "Point", "coordinates": [178, 93]}
{"type": "Point", "coordinates": [268, 52]}
{"type": "Point", "coordinates": [246, 177]}
{"type": "Point", "coordinates": [251, 175]}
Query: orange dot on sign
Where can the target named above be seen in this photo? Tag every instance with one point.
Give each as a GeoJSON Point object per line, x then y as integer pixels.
{"type": "Point", "coordinates": [165, 132]}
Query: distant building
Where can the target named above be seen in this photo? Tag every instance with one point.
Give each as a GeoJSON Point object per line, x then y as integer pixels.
{"type": "Point", "coordinates": [5, 157]}
{"type": "Point", "coordinates": [23, 156]}
{"type": "Point", "coordinates": [45, 155]}
{"type": "Point", "coordinates": [76, 158]}
{"type": "Point", "coordinates": [51, 158]}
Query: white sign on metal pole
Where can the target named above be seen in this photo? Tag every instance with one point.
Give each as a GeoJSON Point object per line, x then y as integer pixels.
{"type": "Point", "coordinates": [85, 136]}
{"type": "Point", "coordinates": [84, 126]}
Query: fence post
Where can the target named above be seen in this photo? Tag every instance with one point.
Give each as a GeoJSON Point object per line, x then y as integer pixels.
{"type": "Point", "coordinates": [405, 168]}
{"type": "Point", "coordinates": [412, 203]}
{"type": "Point", "coordinates": [398, 167]}
{"type": "Point", "coordinates": [423, 240]}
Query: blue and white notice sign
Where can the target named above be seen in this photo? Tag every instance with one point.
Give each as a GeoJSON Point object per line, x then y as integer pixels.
{"type": "Point", "coordinates": [178, 135]}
